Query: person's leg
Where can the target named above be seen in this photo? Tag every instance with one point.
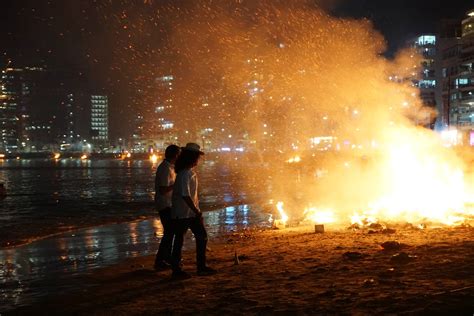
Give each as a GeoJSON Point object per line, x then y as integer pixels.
{"type": "Point", "coordinates": [179, 227]}
{"type": "Point", "coordinates": [164, 251]}
{"type": "Point", "coordinates": [200, 234]}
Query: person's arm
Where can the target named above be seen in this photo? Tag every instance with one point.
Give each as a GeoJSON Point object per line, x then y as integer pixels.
{"type": "Point", "coordinates": [191, 205]}
{"type": "Point", "coordinates": [165, 189]}
{"type": "Point", "coordinates": [163, 181]}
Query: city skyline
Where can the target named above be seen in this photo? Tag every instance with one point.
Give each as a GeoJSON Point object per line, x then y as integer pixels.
{"type": "Point", "coordinates": [49, 38]}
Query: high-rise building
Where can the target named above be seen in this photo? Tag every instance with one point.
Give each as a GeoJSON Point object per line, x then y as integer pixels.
{"type": "Point", "coordinates": [425, 80]}
{"type": "Point", "coordinates": [426, 47]}
{"type": "Point", "coordinates": [154, 128]}
{"type": "Point", "coordinates": [10, 97]}
{"type": "Point", "coordinates": [28, 108]}
{"type": "Point", "coordinates": [99, 119]}
{"type": "Point", "coordinates": [447, 61]}
{"type": "Point", "coordinates": [458, 75]}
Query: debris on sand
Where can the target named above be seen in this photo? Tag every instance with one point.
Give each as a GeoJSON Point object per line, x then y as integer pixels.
{"type": "Point", "coordinates": [369, 282]}
{"type": "Point", "coordinates": [392, 245]}
{"type": "Point", "coordinates": [353, 255]}
{"type": "Point", "coordinates": [402, 258]}
{"type": "Point", "coordinates": [236, 259]}
{"type": "Point", "coordinates": [386, 231]}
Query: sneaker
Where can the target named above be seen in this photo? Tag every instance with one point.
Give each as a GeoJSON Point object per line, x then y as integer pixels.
{"type": "Point", "coordinates": [180, 275]}
{"type": "Point", "coordinates": [161, 266]}
{"type": "Point", "coordinates": [206, 271]}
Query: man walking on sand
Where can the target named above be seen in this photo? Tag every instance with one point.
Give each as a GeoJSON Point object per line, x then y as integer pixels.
{"type": "Point", "coordinates": [185, 212]}
{"type": "Point", "coordinates": [164, 181]}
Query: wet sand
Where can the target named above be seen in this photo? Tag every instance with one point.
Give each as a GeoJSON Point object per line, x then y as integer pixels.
{"type": "Point", "coordinates": [292, 271]}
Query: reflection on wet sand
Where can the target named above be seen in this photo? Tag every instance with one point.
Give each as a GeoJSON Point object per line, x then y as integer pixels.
{"type": "Point", "coordinates": [47, 267]}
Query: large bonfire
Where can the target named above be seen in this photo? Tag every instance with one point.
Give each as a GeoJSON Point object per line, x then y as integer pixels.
{"type": "Point", "coordinates": [411, 177]}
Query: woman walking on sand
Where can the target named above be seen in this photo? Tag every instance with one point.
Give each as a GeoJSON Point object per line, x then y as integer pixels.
{"type": "Point", "coordinates": [185, 212]}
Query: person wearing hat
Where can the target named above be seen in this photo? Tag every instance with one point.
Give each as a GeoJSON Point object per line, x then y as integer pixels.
{"type": "Point", "coordinates": [164, 181]}
{"type": "Point", "coordinates": [185, 212]}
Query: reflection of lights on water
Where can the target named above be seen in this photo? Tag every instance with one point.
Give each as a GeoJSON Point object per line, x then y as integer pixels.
{"type": "Point", "coordinates": [133, 233]}
{"type": "Point", "coordinates": [158, 227]}
{"type": "Point", "coordinates": [154, 158]}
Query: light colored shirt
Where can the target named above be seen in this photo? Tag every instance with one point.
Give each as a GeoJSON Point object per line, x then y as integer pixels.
{"type": "Point", "coordinates": [186, 185]}
{"type": "Point", "coordinates": [165, 177]}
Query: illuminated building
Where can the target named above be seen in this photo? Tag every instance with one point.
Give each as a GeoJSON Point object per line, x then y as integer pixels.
{"type": "Point", "coordinates": [10, 98]}
{"type": "Point", "coordinates": [425, 45]}
{"type": "Point", "coordinates": [138, 136]}
{"type": "Point", "coordinates": [39, 111]}
{"type": "Point", "coordinates": [155, 128]}
{"type": "Point", "coordinates": [448, 46]}
{"type": "Point", "coordinates": [458, 75]}
{"type": "Point", "coordinates": [99, 119]}
{"type": "Point", "coordinates": [27, 111]}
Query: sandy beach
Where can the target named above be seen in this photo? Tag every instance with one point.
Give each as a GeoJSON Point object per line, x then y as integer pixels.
{"type": "Point", "coordinates": [296, 271]}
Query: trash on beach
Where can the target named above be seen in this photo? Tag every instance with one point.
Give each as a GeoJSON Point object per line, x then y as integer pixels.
{"type": "Point", "coordinates": [386, 231]}
{"type": "Point", "coordinates": [236, 258]}
{"type": "Point", "coordinates": [391, 245]}
{"type": "Point", "coordinates": [389, 273]}
{"type": "Point", "coordinates": [319, 229]}
{"type": "Point", "coordinates": [353, 255]}
{"type": "Point", "coordinates": [402, 258]}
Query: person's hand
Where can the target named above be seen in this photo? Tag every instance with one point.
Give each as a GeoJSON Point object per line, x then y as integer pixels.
{"type": "Point", "coordinates": [200, 217]}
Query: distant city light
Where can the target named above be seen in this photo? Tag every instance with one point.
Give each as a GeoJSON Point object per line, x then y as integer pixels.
{"type": "Point", "coordinates": [154, 158]}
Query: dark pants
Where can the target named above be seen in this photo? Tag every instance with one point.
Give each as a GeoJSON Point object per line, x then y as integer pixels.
{"type": "Point", "coordinates": [164, 251]}
{"type": "Point", "coordinates": [180, 227]}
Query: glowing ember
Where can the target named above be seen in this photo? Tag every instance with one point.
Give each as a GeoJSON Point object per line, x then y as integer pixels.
{"type": "Point", "coordinates": [84, 157]}
{"type": "Point", "coordinates": [283, 216]}
{"type": "Point", "coordinates": [319, 216]}
{"type": "Point", "coordinates": [57, 156]}
{"type": "Point", "coordinates": [363, 220]}
{"type": "Point", "coordinates": [294, 159]}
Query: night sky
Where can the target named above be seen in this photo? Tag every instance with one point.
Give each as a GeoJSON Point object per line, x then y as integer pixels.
{"type": "Point", "coordinates": [103, 39]}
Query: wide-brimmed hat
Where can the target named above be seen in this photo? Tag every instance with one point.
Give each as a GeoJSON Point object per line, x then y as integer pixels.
{"type": "Point", "coordinates": [193, 147]}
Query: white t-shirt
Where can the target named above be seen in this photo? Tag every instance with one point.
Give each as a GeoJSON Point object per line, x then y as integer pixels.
{"type": "Point", "coordinates": [186, 185]}
{"type": "Point", "coordinates": [165, 176]}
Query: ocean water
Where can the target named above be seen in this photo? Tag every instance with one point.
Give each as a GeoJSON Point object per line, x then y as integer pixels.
{"type": "Point", "coordinates": [51, 196]}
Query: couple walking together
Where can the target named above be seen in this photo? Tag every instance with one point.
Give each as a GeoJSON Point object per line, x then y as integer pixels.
{"type": "Point", "coordinates": [176, 198]}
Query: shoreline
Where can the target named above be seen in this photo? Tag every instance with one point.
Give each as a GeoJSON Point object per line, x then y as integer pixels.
{"type": "Point", "coordinates": [292, 270]}
{"type": "Point", "coordinates": [4, 245]}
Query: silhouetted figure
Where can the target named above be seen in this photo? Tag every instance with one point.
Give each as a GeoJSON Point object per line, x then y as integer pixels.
{"type": "Point", "coordinates": [164, 181]}
{"type": "Point", "coordinates": [185, 212]}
